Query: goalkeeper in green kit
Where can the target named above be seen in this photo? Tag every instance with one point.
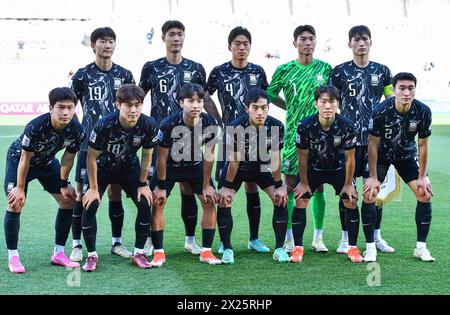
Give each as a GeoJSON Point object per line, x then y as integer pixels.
{"type": "Point", "coordinates": [299, 79]}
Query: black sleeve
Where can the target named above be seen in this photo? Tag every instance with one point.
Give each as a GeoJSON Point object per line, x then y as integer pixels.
{"type": "Point", "coordinates": [28, 139]}
{"type": "Point", "coordinates": [425, 123]}
{"type": "Point", "coordinates": [302, 137]}
{"type": "Point", "coordinates": [213, 82]}
{"type": "Point", "coordinates": [145, 82]}
{"type": "Point", "coordinates": [150, 134]}
{"type": "Point", "coordinates": [97, 136]}
{"type": "Point", "coordinates": [164, 138]}
{"type": "Point", "coordinates": [74, 147]}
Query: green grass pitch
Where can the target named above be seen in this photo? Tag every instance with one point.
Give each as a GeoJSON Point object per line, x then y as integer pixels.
{"type": "Point", "coordinates": [252, 273]}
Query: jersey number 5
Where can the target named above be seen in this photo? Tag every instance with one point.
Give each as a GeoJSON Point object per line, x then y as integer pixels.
{"type": "Point", "coordinates": [352, 89]}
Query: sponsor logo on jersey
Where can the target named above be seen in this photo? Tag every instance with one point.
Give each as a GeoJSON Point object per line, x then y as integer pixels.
{"type": "Point", "coordinates": [83, 173]}
{"type": "Point", "coordinates": [93, 136]}
{"type": "Point", "coordinates": [187, 76]}
{"type": "Point", "coordinates": [136, 140]}
{"type": "Point", "coordinates": [412, 125]}
{"type": "Point", "coordinates": [320, 79]}
{"type": "Point", "coordinates": [25, 141]}
{"type": "Point", "coordinates": [117, 83]}
{"type": "Point", "coordinates": [253, 80]}
{"type": "Point", "coordinates": [337, 140]}
{"type": "Point", "coordinates": [375, 79]}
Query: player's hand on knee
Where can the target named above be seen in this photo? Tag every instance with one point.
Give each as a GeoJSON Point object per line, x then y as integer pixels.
{"type": "Point", "coordinates": [68, 194]}
{"type": "Point", "coordinates": [226, 196]}
{"type": "Point", "coordinates": [424, 189]}
{"type": "Point", "coordinates": [302, 191]}
{"type": "Point", "coordinates": [16, 199]}
{"type": "Point", "coordinates": [371, 189]}
{"type": "Point", "coordinates": [159, 198]}
{"type": "Point", "coordinates": [146, 193]}
{"type": "Point", "coordinates": [349, 193]}
{"type": "Point", "coordinates": [209, 195]}
{"type": "Point", "coordinates": [89, 197]}
{"type": "Point", "coordinates": [280, 196]}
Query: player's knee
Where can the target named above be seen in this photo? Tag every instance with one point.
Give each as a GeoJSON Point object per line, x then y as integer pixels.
{"type": "Point", "coordinates": [114, 193]}
{"type": "Point", "coordinates": [422, 197]}
{"type": "Point", "coordinates": [186, 189]}
{"type": "Point", "coordinates": [16, 209]}
{"type": "Point", "coordinates": [251, 187]}
{"type": "Point", "coordinates": [367, 198]}
{"type": "Point", "coordinates": [350, 204]}
{"type": "Point", "coordinates": [66, 204]}
{"type": "Point", "coordinates": [225, 204]}
{"type": "Point", "coordinates": [301, 203]}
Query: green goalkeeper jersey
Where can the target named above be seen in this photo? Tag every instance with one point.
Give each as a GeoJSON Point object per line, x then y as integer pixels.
{"type": "Point", "coordinates": [298, 83]}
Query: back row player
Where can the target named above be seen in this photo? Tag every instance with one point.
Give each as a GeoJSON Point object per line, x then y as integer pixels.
{"type": "Point", "coordinates": [232, 80]}
{"type": "Point", "coordinates": [362, 83]}
{"type": "Point", "coordinates": [95, 86]}
{"type": "Point", "coordinates": [164, 77]}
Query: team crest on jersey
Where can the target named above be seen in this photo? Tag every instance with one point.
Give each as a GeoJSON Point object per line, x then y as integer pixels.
{"type": "Point", "coordinates": [253, 80]}
{"type": "Point", "coordinates": [187, 76]}
{"type": "Point", "coordinates": [337, 141]}
{"type": "Point", "coordinates": [375, 79]}
{"type": "Point", "coordinates": [25, 141]}
{"type": "Point", "coordinates": [136, 140]}
{"type": "Point", "coordinates": [320, 79]}
{"type": "Point", "coordinates": [93, 136]}
{"type": "Point", "coordinates": [412, 125]}
{"type": "Point", "coordinates": [117, 83]}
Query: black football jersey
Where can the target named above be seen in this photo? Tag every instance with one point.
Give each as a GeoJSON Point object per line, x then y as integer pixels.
{"type": "Point", "coordinates": [232, 84]}
{"type": "Point", "coordinates": [326, 148]}
{"type": "Point", "coordinates": [41, 138]}
{"type": "Point", "coordinates": [397, 131]}
{"type": "Point", "coordinates": [119, 145]}
{"type": "Point", "coordinates": [361, 89]}
{"type": "Point", "coordinates": [96, 90]}
{"type": "Point", "coordinates": [164, 80]}
{"type": "Point", "coordinates": [255, 144]}
{"type": "Point", "coordinates": [185, 142]}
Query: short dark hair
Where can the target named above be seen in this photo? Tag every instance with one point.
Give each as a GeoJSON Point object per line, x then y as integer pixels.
{"type": "Point", "coordinates": [332, 91]}
{"type": "Point", "coordinates": [253, 95]}
{"type": "Point", "coordinates": [130, 92]}
{"type": "Point", "coordinates": [190, 89]}
{"type": "Point", "coordinates": [171, 24]}
{"type": "Point", "coordinates": [239, 30]}
{"type": "Point", "coordinates": [359, 30]}
{"type": "Point", "coordinates": [404, 76]}
{"type": "Point", "coordinates": [304, 28]}
{"type": "Point", "coordinates": [102, 32]}
{"type": "Point", "coordinates": [62, 94]}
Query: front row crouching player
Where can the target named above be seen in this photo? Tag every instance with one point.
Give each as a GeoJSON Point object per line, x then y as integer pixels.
{"type": "Point", "coordinates": [254, 143]}
{"type": "Point", "coordinates": [326, 153]}
{"type": "Point", "coordinates": [180, 159]}
{"type": "Point", "coordinates": [32, 156]}
{"type": "Point", "coordinates": [112, 159]}
{"type": "Point", "coordinates": [394, 126]}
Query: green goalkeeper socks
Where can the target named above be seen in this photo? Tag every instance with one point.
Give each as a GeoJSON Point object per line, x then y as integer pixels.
{"type": "Point", "coordinates": [318, 208]}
